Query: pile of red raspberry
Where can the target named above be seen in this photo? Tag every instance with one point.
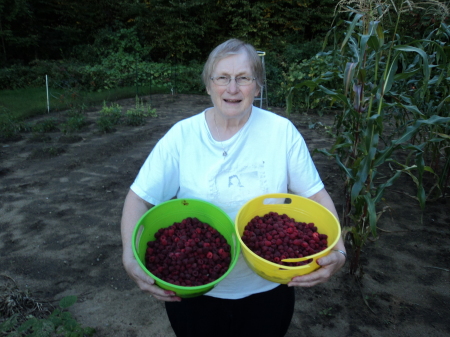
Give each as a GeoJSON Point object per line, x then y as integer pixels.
{"type": "Point", "coordinates": [189, 253]}
{"type": "Point", "coordinates": [276, 237]}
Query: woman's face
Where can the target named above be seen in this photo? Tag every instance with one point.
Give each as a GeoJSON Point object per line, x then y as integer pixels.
{"type": "Point", "coordinates": [232, 100]}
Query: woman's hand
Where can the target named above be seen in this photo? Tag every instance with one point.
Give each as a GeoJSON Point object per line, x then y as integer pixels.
{"type": "Point", "coordinates": [330, 264]}
{"type": "Point", "coordinates": [133, 209]}
{"type": "Point", "coordinates": [145, 282]}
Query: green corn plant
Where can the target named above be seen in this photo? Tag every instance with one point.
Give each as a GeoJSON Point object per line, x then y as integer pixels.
{"type": "Point", "coordinates": [371, 96]}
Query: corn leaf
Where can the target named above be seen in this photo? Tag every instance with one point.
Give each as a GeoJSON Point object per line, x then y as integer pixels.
{"type": "Point", "coordinates": [382, 187]}
{"type": "Point", "coordinates": [413, 109]}
{"type": "Point", "coordinates": [348, 173]}
{"type": "Point", "coordinates": [380, 34]}
{"type": "Point", "coordinates": [445, 100]}
{"type": "Point", "coordinates": [372, 214]}
{"type": "Point", "coordinates": [386, 82]}
{"type": "Point", "coordinates": [383, 156]}
{"type": "Point", "coordinates": [425, 65]}
{"type": "Point", "coordinates": [361, 176]}
{"type": "Point", "coordinates": [371, 137]}
{"type": "Point", "coordinates": [348, 75]}
{"type": "Point", "coordinates": [335, 94]}
{"type": "Point", "coordinates": [350, 30]}
{"type": "Point", "coordinates": [421, 196]}
{"type": "Point", "coordinates": [405, 75]}
{"type": "Point", "coordinates": [412, 129]}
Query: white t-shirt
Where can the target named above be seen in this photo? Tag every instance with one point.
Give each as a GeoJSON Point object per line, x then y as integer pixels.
{"type": "Point", "coordinates": [268, 155]}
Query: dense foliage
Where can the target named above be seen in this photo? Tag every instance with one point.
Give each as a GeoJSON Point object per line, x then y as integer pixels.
{"type": "Point", "coordinates": [98, 45]}
{"type": "Point", "coordinates": [170, 30]}
{"type": "Point", "coordinates": [154, 44]}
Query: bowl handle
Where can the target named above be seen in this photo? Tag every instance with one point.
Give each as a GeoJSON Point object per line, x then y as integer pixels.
{"type": "Point", "coordinates": [138, 236]}
{"type": "Point", "coordinates": [297, 259]}
{"type": "Point", "coordinates": [281, 196]}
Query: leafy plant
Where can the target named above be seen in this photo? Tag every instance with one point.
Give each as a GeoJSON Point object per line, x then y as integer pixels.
{"type": "Point", "coordinates": [76, 121]}
{"type": "Point", "coordinates": [59, 323]}
{"type": "Point", "coordinates": [10, 127]}
{"type": "Point", "coordinates": [109, 117]}
{"type": "Point", "coordinates": [72, 97]}
{"type": "Point", "coordinates": [47, 125]}
{"type": "Point", "coordinates": [302, 78]}
{"type": "Point", "coordinates": [326, 312]}
{"type": "Point", "coordinates": [139, 114]}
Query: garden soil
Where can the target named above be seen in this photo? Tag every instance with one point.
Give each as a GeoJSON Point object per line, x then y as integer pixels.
{"type": "Point", "coordinates": [61, 198]}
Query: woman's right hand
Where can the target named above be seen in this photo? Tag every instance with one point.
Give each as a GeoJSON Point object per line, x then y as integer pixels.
{"type": "Point", "coordinates": [145, 282]}
{"type": "Point", "coordinates": [133, 209]}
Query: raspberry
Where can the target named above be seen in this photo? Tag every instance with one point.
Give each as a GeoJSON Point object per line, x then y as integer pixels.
{"type": "Point", "coordinates": [276, 237]}
{"type": "Point", "coordinates": [188, 253]}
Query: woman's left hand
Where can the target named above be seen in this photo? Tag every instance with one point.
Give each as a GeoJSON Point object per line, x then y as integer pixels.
{"type": "Point", "coordinates": [330, 264]}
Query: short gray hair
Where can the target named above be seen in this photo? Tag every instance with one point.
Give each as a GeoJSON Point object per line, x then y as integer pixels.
{"type": "Point", "coordinates": [233, 47]}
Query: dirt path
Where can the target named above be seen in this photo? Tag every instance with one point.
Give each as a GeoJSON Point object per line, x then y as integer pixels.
{"type": "Point", "coordinates": [60, 203]}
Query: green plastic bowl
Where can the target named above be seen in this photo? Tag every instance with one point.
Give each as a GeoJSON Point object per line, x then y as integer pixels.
{"type": "Point", "coordinates": [165, 215]}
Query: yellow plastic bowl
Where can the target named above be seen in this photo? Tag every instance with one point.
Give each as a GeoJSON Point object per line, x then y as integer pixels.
{"type": "Point", "coordinates": [302, 210]}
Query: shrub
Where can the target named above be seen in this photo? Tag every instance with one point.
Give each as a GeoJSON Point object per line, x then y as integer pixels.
{"type": "Point", "coordinates": [10, 127]}
{"type": "Point", "coordinates": [279, 61]}
{"type": "Point", "coordinates": [138, 115]}
{"type": "Point", "coordinates": [118, 70]}
{"type": "Point", "coordinates": [109, 117]}
{"type": "Point", "coordinates": [76, 121]}
{"type": "Point", "coordinates": [47, 125]}
{"type": "Point", "coordinates": [302, 77]}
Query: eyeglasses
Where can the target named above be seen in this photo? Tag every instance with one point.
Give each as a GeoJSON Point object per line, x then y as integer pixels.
{"type": "Point", "coordinates": [225, 80]}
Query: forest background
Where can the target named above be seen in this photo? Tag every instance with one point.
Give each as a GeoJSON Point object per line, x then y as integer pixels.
{"type": "Point", "coordinates": [160, 46]}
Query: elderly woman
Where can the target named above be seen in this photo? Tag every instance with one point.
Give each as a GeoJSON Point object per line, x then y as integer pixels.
{"type": "Point", "coordinates": [227, 155]}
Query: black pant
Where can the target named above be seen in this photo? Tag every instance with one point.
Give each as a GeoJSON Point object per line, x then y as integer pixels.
{"type": "Point", "coordinates": [266, 314]}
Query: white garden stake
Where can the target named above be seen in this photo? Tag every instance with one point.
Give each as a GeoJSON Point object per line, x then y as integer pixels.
{"type": "Point", "coordinates": [46, 85]}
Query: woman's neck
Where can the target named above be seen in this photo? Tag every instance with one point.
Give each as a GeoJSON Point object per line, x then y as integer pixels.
{"type": "Point", "coordinates": [224, 128]}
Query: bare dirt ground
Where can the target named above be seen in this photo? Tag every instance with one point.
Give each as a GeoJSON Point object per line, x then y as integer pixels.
{"type": "Point", "coordinates": [61, 199]}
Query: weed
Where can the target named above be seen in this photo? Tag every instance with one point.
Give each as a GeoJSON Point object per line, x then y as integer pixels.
{"type": "Point", "coordinates": [73, 98]}
{"type": "Point", "coordinates": [326, 312]}
{"type": "Point", "coordinates": [135, 117]}
{"type": "Point", "coordinates": [109, 117]}
{"type": "Point", "coordinates": [138, 115]}
{"type": "Point", "coordinates": [60, 322]}
{"type": "Point", "coordinates": [53, 151]}
{"type": "Point", "coordinates": [9, 126]}
{"type": "Point", "coordinates": [23, 315]}
{"type": "Point", "coordinates": [45, 126]}
{"type": "Point", "coordinates": [46, 152]}
{"type": "Point", "coordinates": [40, 138]}
{"type": "Point", "coordinates": [75, 122]}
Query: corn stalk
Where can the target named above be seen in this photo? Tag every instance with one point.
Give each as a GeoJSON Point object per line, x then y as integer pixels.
{"type": "Point", "coordinates": [375, 73]}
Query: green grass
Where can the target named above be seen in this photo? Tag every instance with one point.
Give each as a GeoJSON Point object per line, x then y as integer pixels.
{"type": "Point", "coordinates": [25, 103]}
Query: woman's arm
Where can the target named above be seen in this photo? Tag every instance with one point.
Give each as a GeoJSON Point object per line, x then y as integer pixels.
{"type": "Point", "coordinates": [133, 209]}
{"type": "Point", "coordinates": [331, 263]}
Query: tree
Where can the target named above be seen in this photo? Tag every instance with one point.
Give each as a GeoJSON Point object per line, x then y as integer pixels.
{"type": "Point", "coordinates": [15, 38]}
